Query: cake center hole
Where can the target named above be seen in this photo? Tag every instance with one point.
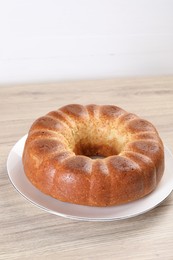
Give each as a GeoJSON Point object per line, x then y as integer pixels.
{"type": "Point", "coordinates": [94, 157]}
{"type": "Point", "coordinates": [94, 151]}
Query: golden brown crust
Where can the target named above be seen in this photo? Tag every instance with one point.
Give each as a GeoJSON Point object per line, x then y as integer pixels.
{"type": "Point", "coordinates": [56, 161]}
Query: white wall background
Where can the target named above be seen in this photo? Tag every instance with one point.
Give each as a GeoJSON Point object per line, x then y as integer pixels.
{"type": "Point", "coordinates": [50, 40]}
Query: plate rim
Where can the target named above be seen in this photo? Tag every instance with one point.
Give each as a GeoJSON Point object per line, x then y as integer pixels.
{"type": "Point", "coordinates": [82, 218]}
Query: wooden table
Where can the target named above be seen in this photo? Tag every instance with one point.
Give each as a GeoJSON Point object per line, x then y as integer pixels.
{"type": "Point", "coordinates": [28, 232]}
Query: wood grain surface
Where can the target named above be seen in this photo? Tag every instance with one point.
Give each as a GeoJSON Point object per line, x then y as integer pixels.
{"type": "Point", "coordinates": [27, 232]}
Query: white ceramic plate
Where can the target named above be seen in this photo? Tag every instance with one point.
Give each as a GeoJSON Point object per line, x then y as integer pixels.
{"type": "Point", "coordinates": [68, 210]}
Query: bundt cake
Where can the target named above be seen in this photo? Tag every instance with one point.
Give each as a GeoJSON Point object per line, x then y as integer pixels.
{"type": "Point", "coordinates": [58, 153]}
